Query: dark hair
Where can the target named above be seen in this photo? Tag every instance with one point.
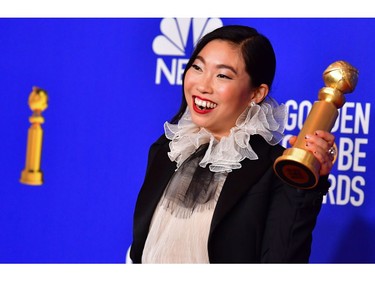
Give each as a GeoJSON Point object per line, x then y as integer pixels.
{"type": "Point", "coordinates": [256, 49]}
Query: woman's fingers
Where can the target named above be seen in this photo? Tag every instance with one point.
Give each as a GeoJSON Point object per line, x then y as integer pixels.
{"type": "Point", "coordinates": [320, 143]}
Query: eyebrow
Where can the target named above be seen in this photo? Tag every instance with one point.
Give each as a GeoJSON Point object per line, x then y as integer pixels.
{"type": "Point", "coordinates": [219, 66]}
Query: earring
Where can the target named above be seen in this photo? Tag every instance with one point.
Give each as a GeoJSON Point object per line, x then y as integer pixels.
{"type": "Point", "coordinates": [252, 103]}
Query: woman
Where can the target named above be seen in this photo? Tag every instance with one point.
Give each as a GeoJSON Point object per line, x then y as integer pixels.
{"type": "Point", "coordinates": [210, 194]}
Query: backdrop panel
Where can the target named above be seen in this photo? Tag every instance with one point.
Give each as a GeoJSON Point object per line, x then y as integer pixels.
{"type": "Point", "coordinates": [112, 83]}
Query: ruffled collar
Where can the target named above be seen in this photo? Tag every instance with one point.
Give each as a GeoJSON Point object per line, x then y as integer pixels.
{"type": "Point", "coordinates": [266, 119]}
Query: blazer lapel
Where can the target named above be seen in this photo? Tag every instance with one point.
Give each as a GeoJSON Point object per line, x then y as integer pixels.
{"type": "Point", "coordinates": [241, 180]}
{"type": "Point", "coordinates": [158, 175]}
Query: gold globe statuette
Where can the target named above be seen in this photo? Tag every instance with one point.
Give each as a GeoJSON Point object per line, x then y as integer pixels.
{"type": "Point", "coordinates": [32, 174]}
{"type": "Point", "coordinates": [297, 166]}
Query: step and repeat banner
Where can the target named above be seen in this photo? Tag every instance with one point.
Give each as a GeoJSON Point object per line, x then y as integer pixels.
{"type": "Point", "coordinates": [111, 85]}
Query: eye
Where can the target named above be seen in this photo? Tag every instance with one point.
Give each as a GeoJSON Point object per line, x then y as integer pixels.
{"type": "Point", "coordinates": [224, 76]}
{"type": "Point", "coordinates": [196, 67]}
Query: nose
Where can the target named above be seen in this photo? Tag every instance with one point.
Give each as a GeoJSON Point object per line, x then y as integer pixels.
{"type": "Point", "coordinates": [204, 85]}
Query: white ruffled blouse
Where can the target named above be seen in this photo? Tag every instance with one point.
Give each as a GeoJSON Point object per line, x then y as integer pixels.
{"type": "Point", "coordinates": [181, 223]}
{"type": "Point", "coordinates": [266, 119]}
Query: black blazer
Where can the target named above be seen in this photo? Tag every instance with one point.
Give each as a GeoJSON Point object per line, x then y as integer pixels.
{"type": "Point", "coordinates": [258, 218]}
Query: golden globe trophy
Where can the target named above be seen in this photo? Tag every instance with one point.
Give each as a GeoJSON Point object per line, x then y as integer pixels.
{"type": "Point", "coordinates": [297, 166]}
{"type": "Point", "coordinates": [32, 175]}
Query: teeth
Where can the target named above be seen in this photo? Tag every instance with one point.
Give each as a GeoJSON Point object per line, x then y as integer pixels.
{"type": "Point", "coordinates": [204, 104]}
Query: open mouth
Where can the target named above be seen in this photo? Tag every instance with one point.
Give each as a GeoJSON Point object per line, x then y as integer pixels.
{"type": "Point", "coordinates": [203, 105]}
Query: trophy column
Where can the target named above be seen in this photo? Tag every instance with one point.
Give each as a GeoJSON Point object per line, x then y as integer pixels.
{"type": "Point", "coordinates": [297, 166]}
{"type": "Point", "coordinates": [32, 175]}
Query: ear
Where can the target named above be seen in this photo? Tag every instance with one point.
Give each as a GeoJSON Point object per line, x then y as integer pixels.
{"type": "Point", "coordinates": [260, 93]}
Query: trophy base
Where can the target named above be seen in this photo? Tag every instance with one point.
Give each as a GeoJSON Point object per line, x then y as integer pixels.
{"type": "Point", "coordinates": [298, 168]}
{"type": "Point", "coordinates": [31, 177]}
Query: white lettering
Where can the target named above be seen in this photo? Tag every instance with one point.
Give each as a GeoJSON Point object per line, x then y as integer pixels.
{"type": "Point", "coordinates": [361, 118]}
{"type": "Point", "coordinates": [345, 153]}
{"type": "Point", "coordinates": [346, 117]}
{"type": "Point", "coordinates": [304, 109]}
{"type": "Point", "coordinates": [161, 67]}
{"type": "Point", "coordinates": [343, 190]}
{"type": "Point", "coordinates": [352, 117]}
{"type": "Point", "coordinates": [350, 154]}
{"type": "Point", "coordinates": [297, 114]}
{"type": "Point", "coordinates": [358, 154]}
{"type": "Point", "coordinates": [292, 117]}
{"type": "Point", "coordinates": [180, 70]}
{"type": "Point", "coordinates": [361, 196]}
{"type": "Point", "coordinates": [173, 73]}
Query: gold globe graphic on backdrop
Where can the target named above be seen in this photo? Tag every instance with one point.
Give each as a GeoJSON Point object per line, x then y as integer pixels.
{"type": "Point", "coordinates": [32, 174]}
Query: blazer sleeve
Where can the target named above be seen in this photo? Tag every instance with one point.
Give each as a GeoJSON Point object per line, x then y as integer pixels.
{"type": "Point", "coordinates": [291, 220]}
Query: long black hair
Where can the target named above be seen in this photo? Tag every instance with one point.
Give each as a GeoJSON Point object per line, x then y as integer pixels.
{"type": "Point", "coordinates": [257, 51]}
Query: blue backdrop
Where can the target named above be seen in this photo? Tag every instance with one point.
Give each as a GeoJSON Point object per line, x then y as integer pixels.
{"type": "Point", "coordinates": [112, 83]}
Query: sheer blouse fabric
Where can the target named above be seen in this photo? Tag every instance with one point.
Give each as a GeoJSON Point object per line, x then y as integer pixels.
{"type": "Point", "coordinates": [181, 222]}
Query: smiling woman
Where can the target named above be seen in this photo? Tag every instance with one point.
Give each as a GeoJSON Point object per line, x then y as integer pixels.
{"type": "Point", "coordinates": [210, 194]}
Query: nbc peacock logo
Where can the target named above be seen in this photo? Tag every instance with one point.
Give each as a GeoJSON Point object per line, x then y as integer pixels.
{"type": "Point", "coordinates": [178, 38]}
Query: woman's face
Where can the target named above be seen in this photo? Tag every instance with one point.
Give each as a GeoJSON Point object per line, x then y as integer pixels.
{"type": "Point", "coordinates": [217, 87]}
